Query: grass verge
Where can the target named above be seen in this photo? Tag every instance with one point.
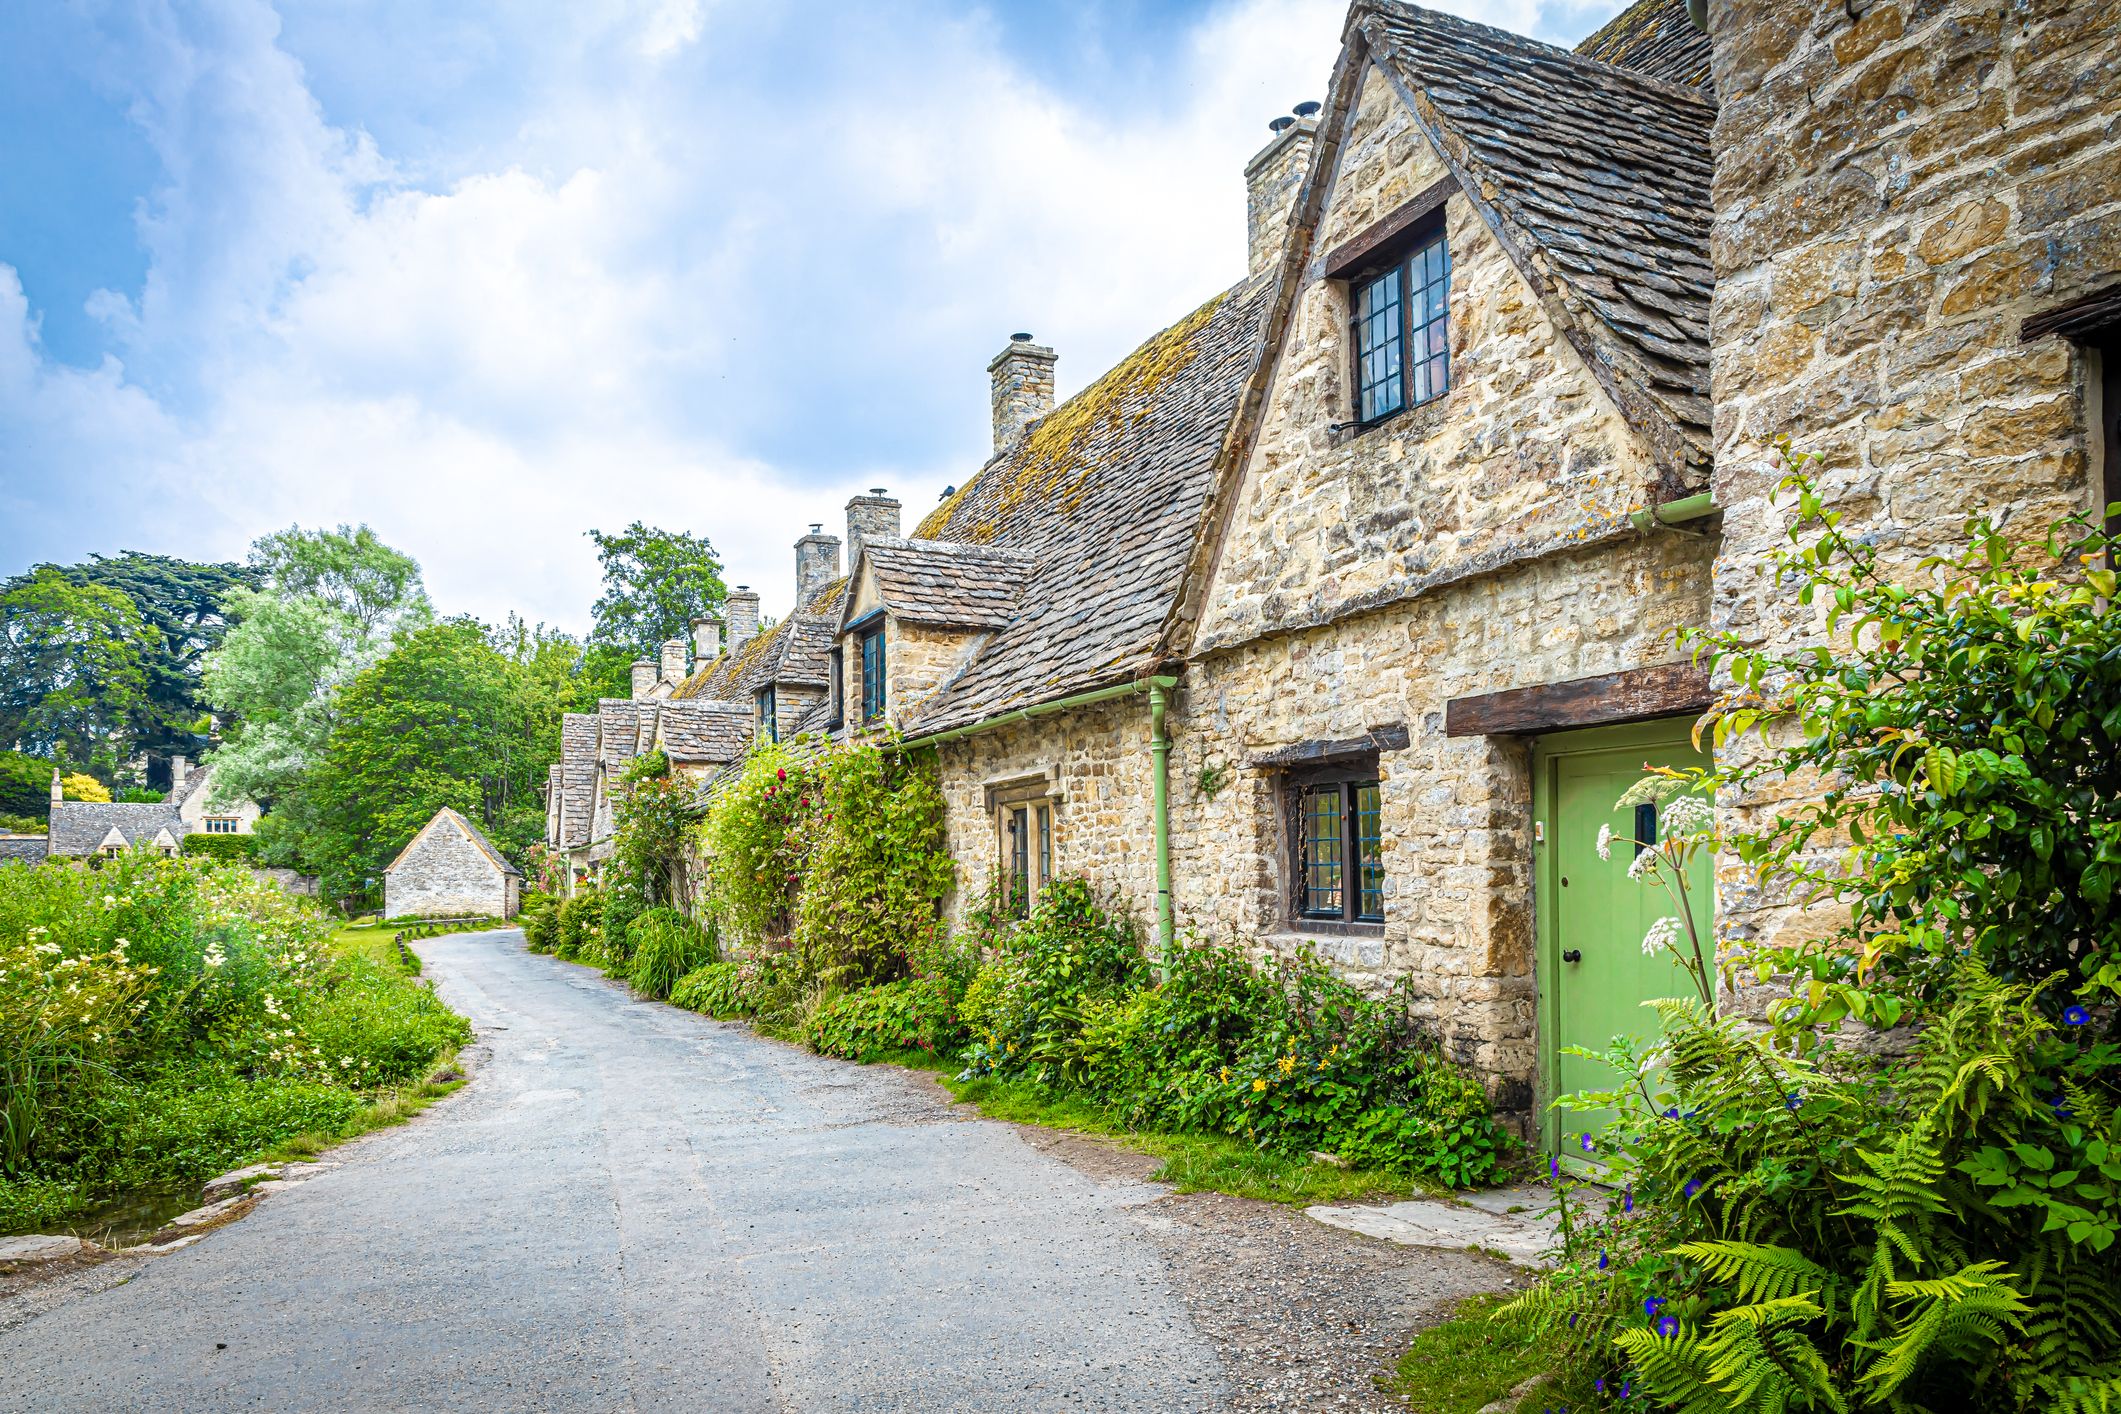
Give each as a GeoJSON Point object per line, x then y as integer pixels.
{"type": "Point", "coordinates": [1473, 1358]}
{"type": "Point", "coordinates": [384, 1109]}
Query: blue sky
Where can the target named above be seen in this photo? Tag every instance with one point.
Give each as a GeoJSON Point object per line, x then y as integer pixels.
{"type": "Point", "coordinates": [486, 276]}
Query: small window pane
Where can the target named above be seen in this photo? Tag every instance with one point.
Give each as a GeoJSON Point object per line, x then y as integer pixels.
{"type": "Point", "coordinates": [1045, 845]}
{"type": "Point", "coordinates": [1322, 852]}
{"type": "Point", "coordinates": [1369, 842]}
{"type": "Point", "coordinates": [1430, 331]}
{"type": "Point", "coordinates": [1019, 826]}
{"type": "Point", "coordinates": [1379, 347]}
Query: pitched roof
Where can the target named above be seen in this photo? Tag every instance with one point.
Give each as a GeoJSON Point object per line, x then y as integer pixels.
{"type": "Point", "coordinates": [578, 766]}
{"type": "Point", "coordinates": [1658, 38]}
{"type": "Point", "coordinates": [80, 827]}
{"type": "Point", "coordinates": [792, 651]}
{"type": "Point", "coordinates": [193, 783]}
{"type": "Point", "coordinates": [947, 583]}
{"type": "Point", "coordinates": [1595, 179]}
{"type": "Point", "coordinates": [447, 816]}
{"type": "Point", "coordinates": [27, 849]}
{"type": "Point", "coordinates": [618, 730]}
{"type": "Point", "coordinates": [700, 730]}
{"type": "Point", "coordinates": [1099, 502]}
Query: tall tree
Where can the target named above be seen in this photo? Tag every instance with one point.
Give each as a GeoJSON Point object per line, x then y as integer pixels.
{"type": "Point", "coordinates": [184, 605]}
{"type": "Point", "coordinates": [335, 600]}
{"type": "Point", "coordinates": [72, 669]}
{"type": "Point", "coordinates": [656, 582]}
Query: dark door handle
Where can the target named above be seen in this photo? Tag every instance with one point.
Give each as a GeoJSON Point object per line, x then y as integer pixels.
{"type": "Point", "coordinates": [1572, 954]}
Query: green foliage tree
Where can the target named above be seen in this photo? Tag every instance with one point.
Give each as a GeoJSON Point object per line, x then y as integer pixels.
{"type": "Point", "coordinates": [25, 785]}
{"type": "Point", "coordinates": [184, 606]}
{"type": "Point", "coordinates": [366, 584]}
{"type": "Point", "coordinates": [73, 675]}
{"type": "Point", "coordinates": [655, 583]}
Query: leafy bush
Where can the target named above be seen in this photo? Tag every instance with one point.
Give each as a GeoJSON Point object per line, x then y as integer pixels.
{"type": "Point", "coordinates": [754, 841]}
{"type": "Point", "coordinates": [767, 987]}
{"type": "Point", "coordinates": [1963, 730]}
{"type": "Point", "coordinates": [912, 1014]}
{"type": "Point", "coordinates": [666, 946]}
{"type": "Point", "coordinates": [161, 1019]}
{"type": "Point", "coordinates": [710, 989]}
{"type": "Point", "coordinates": [876, 865]}
{"type": "Point", "coordinates": [540, 920]}
{"type": "Point", "coordinates": [580, 922]}
{"type": "Point", "coordinates": [222, 847]}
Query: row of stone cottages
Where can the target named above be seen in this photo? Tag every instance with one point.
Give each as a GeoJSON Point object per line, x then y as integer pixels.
{"type": "Point", "coordinates": [1342, 610]}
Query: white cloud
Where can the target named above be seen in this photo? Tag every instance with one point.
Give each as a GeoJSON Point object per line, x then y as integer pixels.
{"type": "Point", "coordinates": [727, 272]}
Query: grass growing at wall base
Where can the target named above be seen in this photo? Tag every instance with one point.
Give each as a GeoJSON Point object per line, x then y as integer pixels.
{"type": "Point", "coordinates": [1470, 1360]}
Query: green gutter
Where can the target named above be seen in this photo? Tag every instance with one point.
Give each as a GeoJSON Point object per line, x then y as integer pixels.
{"type": "Point", "coordinates": [1673, 512]}
{"type": "Point", "coordinates": [1158, 689]}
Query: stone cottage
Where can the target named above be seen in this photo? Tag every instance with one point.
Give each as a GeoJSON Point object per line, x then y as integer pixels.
{"type": "Point", "coordinates": [81, 828]}
{"type": "Point", "coordinates": [1338, 614]}
{"type": "Point", "coordinates": [451, 870]}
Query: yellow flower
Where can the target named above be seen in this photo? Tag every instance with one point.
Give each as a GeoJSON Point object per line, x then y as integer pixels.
{"type": "Point", "coordinates": [1259, 1085]}
{"type": "Point", "coordinates": [1288, 1064]}
{"type": "Point", "coordinates": [1226, 1075]}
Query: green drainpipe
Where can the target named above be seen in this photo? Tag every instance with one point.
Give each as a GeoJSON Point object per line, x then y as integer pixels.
{"type": "Point", "coordinates": [1673, 512]}
{"type": "Point", "coordinates": [1160, 790]}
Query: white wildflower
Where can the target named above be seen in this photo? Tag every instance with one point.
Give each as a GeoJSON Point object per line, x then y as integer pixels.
{"type": "Point", "coordinates": [110, 900]}
{"type": "Point", "coordinates": [1664, 933]}
{"type": "Point", "coordinates": [1605, 841]}
{"type": "Point", "coordinates": [1687, 815]}
{"type": "Point", "coordinates": [1644, 861]}
{"type": "Point", "coordinates": [345, 1060]}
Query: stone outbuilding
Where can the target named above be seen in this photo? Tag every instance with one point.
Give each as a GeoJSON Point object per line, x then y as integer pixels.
{"type": "Point", "coordinates": [451, 870]}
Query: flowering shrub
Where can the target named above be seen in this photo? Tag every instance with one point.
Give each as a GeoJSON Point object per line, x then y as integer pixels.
{"type": "Point", "coordinates": [666, 945]}
{"type": "Point", "coordinates": [755, 845]}
{"type": "Point", "coordinates": [162, 1018]}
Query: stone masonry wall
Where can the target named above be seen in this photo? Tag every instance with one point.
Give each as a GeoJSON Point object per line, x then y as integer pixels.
{"type": "Point", "coordinates": [1097, 759]}
{"type": "Point", "coordinates": [1457, 810]}
{"type": "Point", "coordinates": [1524, 455]}
{"type": "Point", "coordinates": [1898, 184]}
{"type": "Point", "coordinates": [445, 876]}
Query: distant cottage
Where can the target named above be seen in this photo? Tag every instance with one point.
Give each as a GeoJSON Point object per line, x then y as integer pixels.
{"type": "Point", "coordinates": [83, 828]}
{"type": "Point", "coordinates": [451, 870]}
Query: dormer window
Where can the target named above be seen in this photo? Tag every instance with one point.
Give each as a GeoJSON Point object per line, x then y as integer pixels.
{"type": "Point", "coordinates": [872, 646]}
{"type": "Point", "coordinates": [769, 723]}
{"type": "Point", "coordinates": [1400, 312]}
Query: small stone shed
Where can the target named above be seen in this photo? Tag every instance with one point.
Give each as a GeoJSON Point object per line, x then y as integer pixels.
{"type": "Point", "coordinates": [451, 870]}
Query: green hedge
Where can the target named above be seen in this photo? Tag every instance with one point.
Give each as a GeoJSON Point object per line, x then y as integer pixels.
{"type": "Point", "coordinates": [222, 847]}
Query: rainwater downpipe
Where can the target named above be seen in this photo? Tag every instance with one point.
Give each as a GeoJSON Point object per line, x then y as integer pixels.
{"type": "Point", "coordinates": [1674, 512]}
{"type": "Point", "coordinates": [1160, 793]}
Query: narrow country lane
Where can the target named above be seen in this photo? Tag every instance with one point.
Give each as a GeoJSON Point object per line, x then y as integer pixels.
{"type": "Point", "coordinates": [636, 1208]}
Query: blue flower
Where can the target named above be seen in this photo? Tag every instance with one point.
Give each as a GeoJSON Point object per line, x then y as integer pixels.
{"type": "Point", "coordinates": [1627, 1199]}
{"type": "Point", "coordinates": [1693, 1186]}
{"type": "Point", "coordinates": [1651, 1305]}
{"type": "Point", "coordinates": [1627, 1389]}
{"type": "Point", "coordinates": [1601, 1259]}
{"type": "Point", "coordinates": [1667, 1326]}
{"type": "Point", "coordinates": [1672, 1113]}
{"type": "Point", "coordinates": [2076, 1016]}
{"type": "Point", "coordinates": [1599, 1384]}
{"type": "Point", "coordinates": [1554, 1168]}
{"type": "Point", "coordinates": [1572, 1320]}
{"type": "Point", "coordinates": [1795, 1099]}
{"type": "Point", "coordinates": [1587, 1142]}
{"type": "Point", "coordinates": [2060, 1105]}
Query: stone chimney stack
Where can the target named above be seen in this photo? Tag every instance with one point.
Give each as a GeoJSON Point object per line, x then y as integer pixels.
{"type": "Point", "coordinates": [673, 661]}
{"type": "Point", "coordinates": [179, 770]}
{"type": "Point", "coordinates": [1023, 387]}
{"type": "Point", "coordinates": [58, 791]}
{"type": "Point", "coordinates": [706, 640]}
{"type": "Point", "coordinates": [1272, 178]}
{"type": "Point", "coordinates": [817, 564]}
{"type": "Point", "coordinates": [643, 678]}
{"type": "Point", "coordinates": [742, 607]}
{"type": "Point", "coordinates": [870, 517]}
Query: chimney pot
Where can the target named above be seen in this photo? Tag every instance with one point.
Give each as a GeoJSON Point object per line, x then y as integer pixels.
{"type": "Point", "coordinates": [706, 639]}
{"type": "Point", "coordinates": [871, 517]}
{"type": "Point", "coordinates": [1306, 109]}
{"type": "Point", "coordinates": [673, 661]}
{"type": "Point", "coordinates": [1272, 179]}
{"type": "Point", "coordinates": [58, 791]}
{"type": "Point", "coordinates": [1022, 391]}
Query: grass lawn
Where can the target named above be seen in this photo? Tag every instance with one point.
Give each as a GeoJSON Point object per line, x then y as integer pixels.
{"type": "Point", "coordinates": [367, 938]}
{"type": "Point", "coordinates": [1472, 1358]}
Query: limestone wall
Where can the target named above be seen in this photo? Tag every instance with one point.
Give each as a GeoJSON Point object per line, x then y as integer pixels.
{"type": "Point", "coordinates": [1457, 810]}
{"type": "Point", "coordinates": [445, 876]}
{"type": "Point", "coordinates": [1525, 455]}
{"type": "Point", "coordinates": [1898, 184]}
{"type": "Point", "coordinates": [1098, 762]}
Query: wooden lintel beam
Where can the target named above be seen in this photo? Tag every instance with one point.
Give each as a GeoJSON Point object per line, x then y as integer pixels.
{"type": "Point", "coordinates": [1353, 253]}
{"type": "Point", "coordinates": [1632, 696]}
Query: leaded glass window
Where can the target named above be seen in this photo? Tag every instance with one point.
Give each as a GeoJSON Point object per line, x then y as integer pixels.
{"type": "Point", "coordinates": [1340, 873]}
{"type": "Point", "coordinates": [1402, 331]}
{"type": "Point", "coordinates": [873, 674]}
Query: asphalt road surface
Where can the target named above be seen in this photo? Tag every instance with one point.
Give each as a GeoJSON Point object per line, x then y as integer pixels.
{"type": "Point", "coordinates": [632, 1207]}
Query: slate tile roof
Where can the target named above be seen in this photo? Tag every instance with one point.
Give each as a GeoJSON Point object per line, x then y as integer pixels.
{"type": "Point", "coordinates": [78, 827]}
{"type": "Point", "coordinates": [1655, 37]}
{"type": "Point", "coordinates": [947, 583]}
{"type": "Point", "coordinates": [1600, 178]}
{"type": "Point", "coordinates": [700, 730]}
{"type": "Point", "coordinates": [25, 849]}
{"type": "Point", "coordinates": [618, 731]}
{"type": "Point", "coordinates": [578, 766]}
{"type": "Point", "coordinates": [1098, 503]}
{"type": "Point", "coordinates": [793, 651]}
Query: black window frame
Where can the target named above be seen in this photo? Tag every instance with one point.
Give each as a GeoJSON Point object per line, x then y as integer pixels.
{"type": "Point", "coordinates": [1420, 304]}
{"type": "Point", "coordinates": [1357, 792]}
{"type": "Point", "coordinates": [769, 713]}
{"type": "Point", "coordinates": [836, 700]}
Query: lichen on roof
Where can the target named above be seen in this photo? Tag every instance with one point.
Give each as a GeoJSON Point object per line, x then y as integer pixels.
{"type": "Point", "coordinates": [1056, 448]}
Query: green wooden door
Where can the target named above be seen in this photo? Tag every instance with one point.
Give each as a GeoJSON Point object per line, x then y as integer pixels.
{"type": "Point", "coordinates": [1593, 976]}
